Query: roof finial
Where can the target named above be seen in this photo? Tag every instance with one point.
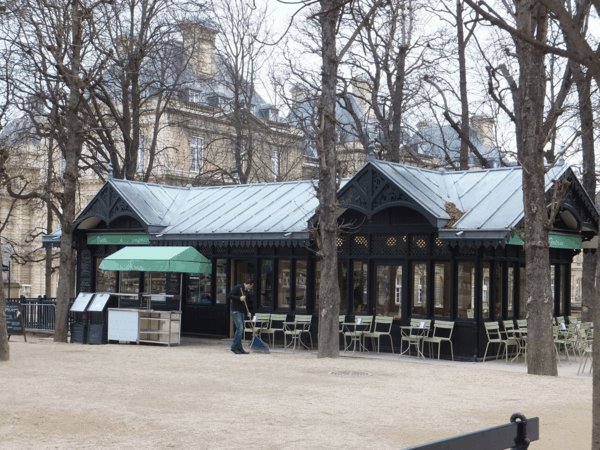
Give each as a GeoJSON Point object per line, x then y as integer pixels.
{"type": "Point", "coordinates": [110, 171]}
{"type": "Point", "coordinates": [371, 156]}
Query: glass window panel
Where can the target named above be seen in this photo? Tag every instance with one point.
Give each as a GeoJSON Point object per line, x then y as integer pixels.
{"type": "Point", "coordinates": [106, 280]}
{"type": "Point", "coordinates": [155, 282]}
{"type": "Point", "coordinates": [441, 289]}
{"type": "Point", "coordinates": [283, 278]}
{"type": "Point", "coordinates": [499, 300]}
{"type": "Point", "coordinates": [317, 283]}
{"type": "Point", "coordinates": [266, 283]}
{"type": "Point", "coordinates": [343, 280]}
{"type": "Point", "coordinates": [199, 288]}
{"type": "Point", "coordinates": [419, 300]}
{"type": "Point", "coordinates": [129, 282]}
{"type": "Point", "coordinates": [511, 292]}
{"type": "Point", "coordinates": [300, 284]}
{"type": "Point", "coordinates": [389, 291]}
{"type": "Point", "coordinates": [485, 291]}
{"type": "Point", "coordinates": [221, 287]}
{"type": "Point", "coordinates": [359, 283]}
{"type": "Point", "coordinates": [522, 293]}
{"type": "Point", "coordinates": [466, 290]}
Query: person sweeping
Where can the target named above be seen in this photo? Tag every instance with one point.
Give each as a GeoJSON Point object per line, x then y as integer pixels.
{"type": "Point", "coordinates": [238, 296]}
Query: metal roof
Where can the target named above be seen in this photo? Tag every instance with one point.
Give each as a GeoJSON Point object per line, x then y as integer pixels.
{"type": "Point", "coordinates": [491, 199]}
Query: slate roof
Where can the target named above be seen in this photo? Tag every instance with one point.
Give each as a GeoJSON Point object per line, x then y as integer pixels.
{"type": "Point", "coordinates": [431, 141]}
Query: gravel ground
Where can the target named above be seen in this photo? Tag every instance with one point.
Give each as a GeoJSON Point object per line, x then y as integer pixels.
{"type": "Point", "coordinates": [199, 395]}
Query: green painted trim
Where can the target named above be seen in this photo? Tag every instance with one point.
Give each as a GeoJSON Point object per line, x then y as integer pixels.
{"type": "Point", "coordinates": [556, 241]}
{"type": "Point", "coordinates": [118, 239]}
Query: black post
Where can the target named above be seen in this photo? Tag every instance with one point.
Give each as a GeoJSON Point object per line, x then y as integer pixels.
{"type": "Point", "coordinates": [521, 441]}
{"type": "Point", "coordinates": [9, 261]}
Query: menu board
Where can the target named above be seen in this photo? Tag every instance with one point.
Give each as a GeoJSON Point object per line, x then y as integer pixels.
{"type": "Point", "coordinates": [85, 284]}
{"type": "Point", "coordinates": [173, 280]}
{"type": "Point", "coordinates": [14, 320]}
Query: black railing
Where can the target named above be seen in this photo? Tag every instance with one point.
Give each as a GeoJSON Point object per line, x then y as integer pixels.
{"type": "Point", "coordinates": [515, 435]}
{"type": "Point", "coordinates": [39, 314]}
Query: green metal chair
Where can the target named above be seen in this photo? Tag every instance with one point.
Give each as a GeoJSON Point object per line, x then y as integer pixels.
{"type": "Point", "coordinates": [355, 331]}
{"type": "Point", "coordinates": [381, 327]}
{"type": "Point", "coordinates": [413, 335]}
{"type": "Point", "coordinates": [494, 335]}
{"type": "Point", "coordinates": [261, 324]}
{"type": "Point", "coordinates": [275, 326]}
{"type": "Point", "coordinates": [296, 329]}
{"type": "Point", "coordinates": [442, 332]}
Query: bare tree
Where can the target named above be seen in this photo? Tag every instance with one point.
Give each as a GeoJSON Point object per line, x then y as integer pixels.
{"type": "Point", "coordinates": [57, 69]}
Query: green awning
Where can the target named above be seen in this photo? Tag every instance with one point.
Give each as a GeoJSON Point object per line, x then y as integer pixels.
{"type": "Point", "coordinates": [557, 240]}
{"type": "Point", "coordinates": [118, 239]}
{"type": "Point", "coordinates": [158, 259]}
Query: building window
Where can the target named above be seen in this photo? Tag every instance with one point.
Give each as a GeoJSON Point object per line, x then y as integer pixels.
{"type": "Point", "coordinates": [466, 290]}
{"type": "Point", "coordinates": [283, 283]}
{"type": "Point", "coordinates": [194, 96]}
{"type": "Point", "coordinates": [359, 287]}
{"type": "Point", "coordinates": [441, 289]}
{"type": "Point", "coordinates": [485, 291]}
{"type": "Point", "coordinates": [389, 291]}
{"type": "Point", "coordinates": [266, 283]}
{"type": "Point", "coordinates": [300, 293]}
{"type": "Point", "coordinates": [196, 154]}
{"type": "Point", "coordinates": [419, 300]}
{"type": "Point", "coordinates": [275, 165]}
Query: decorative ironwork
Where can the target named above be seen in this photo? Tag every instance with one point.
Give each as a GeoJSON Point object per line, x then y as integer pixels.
{"type": "Point", "coordinates": [360, 245]}
{"type": "Point", "coordinates": [467, 251]}
{"type": "Point", "coordinates": [418, 244]}
{"type": "Point", "coordinates": [363, 182]}
{"type": "Point", "coordinates": [389, 194]}
{"type": "Point", "coordinates": [512, 251]}
{"type": "Point", "coordinates": [120, 207]}
{"type": "Point", "coordinates": [243, 250]}
{"type": "Point", "coordinates": [388, 244]}
{"type": "Point", "coordinates": [489, 251]}
{"type": "Point", "coordinates": [220, 249]}
{"type": "Point", "coordinates": [441, 248]}
{"type": "Point", "coordinates": [285, 250]}
{"type": "Point", "coordinates": [342, 245]}
{"type": "Point", "coordinates": [300, 251]}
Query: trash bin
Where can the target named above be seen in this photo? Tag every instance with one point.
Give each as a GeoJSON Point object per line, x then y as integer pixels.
{"type": "Point", "coordinates": [98, 318]}
{"type": "Point", "coordinates": [79, 324]}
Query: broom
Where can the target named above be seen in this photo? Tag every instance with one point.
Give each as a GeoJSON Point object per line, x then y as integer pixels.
{"type": "Point", "coordinates": [257, 344]}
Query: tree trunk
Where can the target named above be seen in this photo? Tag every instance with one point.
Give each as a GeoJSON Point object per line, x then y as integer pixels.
{"type": "Point", "coordinates": [586, 119]}
{"type": "Point", "coordinates": [329, 291]}
{"type": "Point", "coordinates": [541, 355]}
{"type": "Point", "coordinates": [464, 101]}
{"type": "Point", "coordinates": [73, 147]}
{"type": "Point", "coordinates": [4, 346]}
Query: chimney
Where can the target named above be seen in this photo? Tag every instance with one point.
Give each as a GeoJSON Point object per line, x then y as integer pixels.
{"type": "Point", "coordinates": [484, 129]}
{"type": "Point", "coordinates": [362, 88]}
{"type": "Point", "coordinates": [199, 44]}
{"type": "Point", "coordinates": [299, 93]}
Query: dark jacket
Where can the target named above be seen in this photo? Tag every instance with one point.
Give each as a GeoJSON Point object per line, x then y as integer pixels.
{"type": "Point", "coordinates": [235, 294]}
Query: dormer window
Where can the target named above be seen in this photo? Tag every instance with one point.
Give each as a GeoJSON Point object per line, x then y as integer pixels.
{"type": "Point", "coordinates": [194, 96]}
